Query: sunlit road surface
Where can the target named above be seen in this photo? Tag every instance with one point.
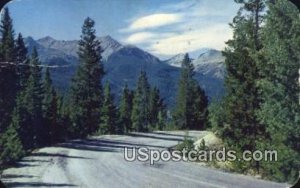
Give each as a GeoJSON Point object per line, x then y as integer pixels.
{"type": "Point", "coordinates": [99, 162]}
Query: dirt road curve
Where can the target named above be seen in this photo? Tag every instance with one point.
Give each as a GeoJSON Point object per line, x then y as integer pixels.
{"type": "Point", "coordinates": [99, 162]}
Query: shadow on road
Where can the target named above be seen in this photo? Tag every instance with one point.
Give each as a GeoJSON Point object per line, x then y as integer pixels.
{"type": "Point", "coordinates": [88, 145]}
{"type": "Point", "coordinates": [21, 165]}
{"type": "Point", "coordinates": [33, 160]}
{"type": "Point", "coordinates": [37, 184]}
{"type": "Point", "coordinates": [102, 145]}
{"type": "Point", "coordinates": [43, 154]}
{"type": "Point", "coordinates": [118, 144]}
{"type": "Point", "coordinates": [10, 176]}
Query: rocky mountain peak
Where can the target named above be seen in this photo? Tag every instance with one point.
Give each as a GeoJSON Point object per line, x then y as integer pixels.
{"type": "Point", "coordinates": [46, 39]}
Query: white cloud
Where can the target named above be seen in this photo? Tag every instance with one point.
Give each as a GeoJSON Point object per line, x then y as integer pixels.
{"type": "Point", "coordinates": [154, 20]}
{"type": "Point", "coordinates": [140, 37]}
{"type": "Point", "coordinates": [183, 27]}
{"type": "Point", "coordinates": [147, 37]}
{"type": "Point", "coordinates": [209, 37]}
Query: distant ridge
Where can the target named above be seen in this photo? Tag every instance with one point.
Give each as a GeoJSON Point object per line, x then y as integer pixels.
{"type": "Point", "coordinates": [123, 64]}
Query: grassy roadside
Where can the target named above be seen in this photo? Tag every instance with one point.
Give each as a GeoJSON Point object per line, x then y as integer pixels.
{"type": "Point", "coordinates": [211, 143]}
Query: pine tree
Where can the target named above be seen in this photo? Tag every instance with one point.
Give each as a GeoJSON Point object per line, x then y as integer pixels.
{"type": "Point", "coordinates": [154, 100]}
{"type": "Point", "coordinates": [242, 129]}
{"type": "Point", "coordinates": [216, 115]}
{"type": "Point", "coordinates": [22, 118]}
{"type": "Point", "coordinates": [200, 108]}
{"type": "Point", "coordinates": [125, 109]}
{"type": "Point", "coordinates": [182, 101]}
{"type": "Point", "coordinates": [33, 96]}
{"type": "Point", "coordinates": [279, 85]}
{"type": "Point", "coordinates": [8, 76]}
{"type": "Point", "coordinates": [23, 68]}
{"type": "Point", "coordinates": [156, 105]}
{"type": "Point", "coordinates": [86, 89]}
{"type": "Point", "coordinates": [109, 116]}
{"type": "Point", "coordinates": [140, 109]}
{"type": "Point", "coordinates": [20, 115]}
{"type": "Point", "coordinates": [63, 120]}
{"type": "Point", "coordinates": [11, 146]}
{"type": "Point", "coordinates": [7, 37]}
{"type": "Point", "coordinates": [50, 109]}
{"type": "Point", "coordinates": [191, 104]}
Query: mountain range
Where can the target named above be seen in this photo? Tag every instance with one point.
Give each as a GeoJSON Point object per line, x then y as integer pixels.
{"type": "Point", "coordinates": [123, 64]}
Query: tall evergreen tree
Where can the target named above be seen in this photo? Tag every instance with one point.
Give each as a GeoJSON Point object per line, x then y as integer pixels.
{"type": "Point", "coordinates": [183, 105]}
{"type": "Point", "coordinates": [7, 37]}
{"type": "Point", "coordinates": [191, 104]}
{"type": "Point", "coordinates": [242, 129]}
{"type": "Point", "coordinates": [125, 109]}
{"type": "Point", "coordinates": [109, 116]}
{"type": "Point", "coordinates": [50, 109]}
{"type": "Point", "coordinates": [33, 96]}
{"type": "Point", "coordinates": [86, 89]}
{"type": "Point", "coordinates": [279, 86]}
{"type": "Point", "coordinates": [20, 114]}
{"type": "Point", "coordinates": [200, 108]}
{"type": "Point", "coordinates": [22, 60]}
{"type": "Point", "coordinates": [21, 117]}
{"type": "Point", "coordinates": [64, 121]}
{"type": "Point", "coordinates": [140, 109]}
{"type": "Point", "coordinates": [11, 146]}
{"type": "Point", "coordinates": [156, 106]}
{"type": "Point", "coordinates": [8, 76]}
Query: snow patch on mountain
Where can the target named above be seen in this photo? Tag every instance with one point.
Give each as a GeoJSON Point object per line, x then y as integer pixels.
{"type": "Point", "coordinates": [209, 62]}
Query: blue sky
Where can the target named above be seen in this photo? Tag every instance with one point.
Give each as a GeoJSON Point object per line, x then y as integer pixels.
{"type": "Point", "coordinates": [162, 27]}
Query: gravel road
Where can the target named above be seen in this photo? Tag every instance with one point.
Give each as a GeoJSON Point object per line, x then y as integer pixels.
{"type": "Point", "coordinates": [99, 162]}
